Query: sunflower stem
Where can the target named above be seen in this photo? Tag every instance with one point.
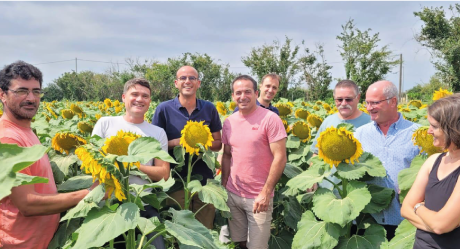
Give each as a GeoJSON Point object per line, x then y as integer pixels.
{"type": "Point", "coordinates": [189, 174]}
{"type": "Point", "coordinates": [200, 209]}
{"type": "Point", "coordinates": [335, 186]}
{"type": "Point", "coordinates": [153, 238]}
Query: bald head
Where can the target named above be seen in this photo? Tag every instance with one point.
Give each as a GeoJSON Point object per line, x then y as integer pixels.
{"type": "Point", "coordinates": [385, 88]}
{"type": "Point", "coordinates": [186, 69]}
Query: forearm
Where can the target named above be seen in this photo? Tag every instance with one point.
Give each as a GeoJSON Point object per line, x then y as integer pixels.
{"type": "Point", "coordinates": [276, 170]}
{"type": "Point", "coordinates": [226, 160]}
{"type": "Point", "coordinates": [173, 143]}
{"type": "Point", "coordinates": [216, 145]}
{"type": "Point", "coordinates": [434, 221]}
{"type": "Point", "coordinates": [35, 204]}
{"type": "Point", "coordinates": [408, 213]}
{"type": "Point", "coordinates": [160, 171]}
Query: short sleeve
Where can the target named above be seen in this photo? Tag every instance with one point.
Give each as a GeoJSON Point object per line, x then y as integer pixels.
{"type": "Point", "coordinates": [216, 124]}
{"type": "Point", "coordinates": [275, 129]}
{"type": "Point", "coordinates": [158, 117]}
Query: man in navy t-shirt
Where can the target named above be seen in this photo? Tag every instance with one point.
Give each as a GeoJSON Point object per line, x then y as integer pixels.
{"type": "Point", "coordinates": [268, 89]}
{"type": "Point", "coordinates": [172, 116]}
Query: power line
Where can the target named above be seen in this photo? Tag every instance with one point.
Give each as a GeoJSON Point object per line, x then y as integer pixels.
{"type": "Point", "coordinates": [78, 60]}
{"type": "Point", "coordinates": [52, 62]}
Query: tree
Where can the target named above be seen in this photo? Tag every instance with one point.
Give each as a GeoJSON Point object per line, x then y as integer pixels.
{"type": "Point", "coordinates": [365, 63]}
{"type": "Point", "coordinates": [442, 37]}
{"type": "Point", "coordinates": [315, 72]}
{"type": "Point", "coordinates": [424, 92]}
{"type": "Point", "coordinates": [275, 58]}
{"type": "Point", "coordinates": [52, 92]}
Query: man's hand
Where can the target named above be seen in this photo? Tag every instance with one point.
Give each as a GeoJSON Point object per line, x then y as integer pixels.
{"type": "Point", "coordinates": [172, 143]}
{"type": "Point", "coordinates": [261, 203]}
{"type": "Point", "coordinates": [313, 188]}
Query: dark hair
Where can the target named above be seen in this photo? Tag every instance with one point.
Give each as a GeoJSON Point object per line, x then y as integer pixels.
{"type": "Point", "coordinates": [347, 84]}
{"type": "Point", "coordinates": [19, 69]}
{"type": "Point", "coordinates": [446, 112]}
{"type": "Point", "coordinates": [245, 77]}
{"type": "Point", "coordinates": [140, 81]}
{"type": "Point", "coordinates": [273, 76]}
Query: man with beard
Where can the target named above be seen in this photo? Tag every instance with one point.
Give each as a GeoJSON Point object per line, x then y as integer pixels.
{"type": "Point", "coordinates": [29, 216]}
{"type": "Point", "coordinates": [346, 96]}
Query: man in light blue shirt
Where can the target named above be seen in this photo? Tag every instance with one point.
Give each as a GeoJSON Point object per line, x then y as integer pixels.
{"type": "Point", "coordinates": [389, 137]}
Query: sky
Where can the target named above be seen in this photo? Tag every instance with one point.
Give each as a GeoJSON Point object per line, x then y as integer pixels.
{"type": "Point", "coordinates": [51, 35]}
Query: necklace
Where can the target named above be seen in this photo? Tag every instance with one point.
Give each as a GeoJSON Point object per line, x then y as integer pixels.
{"type": "Point", "coordinates": [452, 158]}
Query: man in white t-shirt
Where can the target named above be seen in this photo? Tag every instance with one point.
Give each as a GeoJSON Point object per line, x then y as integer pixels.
{"type": "Point", "coordinates": [136, 97]}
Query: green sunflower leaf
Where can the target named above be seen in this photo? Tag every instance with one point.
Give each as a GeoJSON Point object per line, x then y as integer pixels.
{"type": "Point", "coordinates": [373, 238]}
{"type": "Point", "coordinates": [305, 180]}
{"type": "Point", "coordinates": [381, 198]}
{"type": "Point", "coordinates": [315, 234]}
{"type": "Point", "coordinates": [404, 237]}
{"type": "Point", "coordinates": [144, 149]}
{"type": "Point", "coordinates": [212, 193]}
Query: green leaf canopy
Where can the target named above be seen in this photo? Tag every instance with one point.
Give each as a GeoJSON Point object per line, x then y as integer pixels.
{"type": "Point", "coordinates": [315, 234]}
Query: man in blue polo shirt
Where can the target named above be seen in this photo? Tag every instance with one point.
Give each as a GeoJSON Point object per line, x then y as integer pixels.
{"type": "Point", "coordinates": [172, 116]}
{"type": "Point", "coordinates": [268, 89]}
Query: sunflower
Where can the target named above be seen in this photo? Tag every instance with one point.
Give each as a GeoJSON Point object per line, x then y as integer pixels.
{"type": "Point", "coordinates": [118, 109]}
{"type": "Point", "coordinates": [286, 125]}
{"type": "Point", "coordinates": [302, 131]}
{"type": "Point", "coordinates": [305, 104]}
{"type": "Point", "coordinates": [116, 103]}
{"type": "Point", "coordinates": [232, 106]}
{"type": "Point", "coordinates": [49, 108]}
{"type": "Point", "coordinates": [94, 163]}
{"type": "Point", "coordinates": [364, 110]}
{"type": "Point", "coordinates": [47, 118]}
{"type": "Point", "coordinates": [85, 127]}
{"type": "Point", "coordinates": [314, 120]}
{"type": "Point", "coordinates": [441, 93]}
{"type": "Point", "coordinates": [76, 109]}
{"type": "Point", "coordinates": [98, 116]}
{"type": "Point", "coordinates": [290, 104]}
{"type": "Point", "coordinates": [220, 106]}
{"type": "Point", "coordinates": [108, 103]}
{"type": "Point", "coordinates": [66, 141]}
{"type": "Point", "coordinates": [194, 133]}
{"type": "Point", "coordinates": [415, 103]}
{"type": "Point", "coordinates": [319, 103]}
{"type": "Point", "coordinates": [284, 109]}
{"type": "Point", "coordinates": [326, 106]}
{"type": "Point", "coordinates": [302, 113]}
{"type": "Point", "coordinates": [333, 111]}
{"type": "Point", "coordinates": [67, 114]}
{"type": "Point", "coordinates": [424, 141]}
{"type": "Point", "coordinates": [337, 145]}
{"type": "Point", "coordinates": [1, 113]}
{"type": "Point", "coordinates": [118, 144]}
{"type": "Point", "coordinates": [316, 108]}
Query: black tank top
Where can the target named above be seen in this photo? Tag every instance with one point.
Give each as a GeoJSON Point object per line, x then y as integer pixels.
{"type": "Point", "coordinates": [436, 195]}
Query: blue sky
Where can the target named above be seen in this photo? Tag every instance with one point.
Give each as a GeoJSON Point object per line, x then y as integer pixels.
{"type": "Point", "coordinates": [41, 32]}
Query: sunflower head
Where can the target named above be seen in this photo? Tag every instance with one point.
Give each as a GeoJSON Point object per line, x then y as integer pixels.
{"type": "Point", "coordinates": [220, 106]}
{"type": "Point", "coordinates": [98, 116]}
{"type": "Point", "coordinates": [194, 133]}
{"type": "Point", "coordinates": [116, 103]}
{"type": "Point", "coordinates": [314, 120]}
{"type": "Point", "coordinates": [364, 110]}
{"type": "Point", "coordinates": [85, 127]}
{"type": "Point", "coordinates": [232, 106]}
{"type": "Point", "coordinates": [66, 141]}
{"type": "Point", "coordinates": [108, 103]}
{"type": "Point", "coordinates": [441, 93]}
{"type": "Point", "coordinates": [284, 109]}
{"type": "Point", "coordinates": [1, 113]}
{"type": "Point", "coordinates": [94, 163]}
{"type": "Point", "coordinates": [301, 130]}
{"type": "Point", "coordinates": [305, 104]}
{"type": "Point", "coordinates": [319, 103]}
{"type": "Point", "coordinates": [290, 104]}
{"type": "Point", "coordinates": [286, 125]}
{"type": "Point", "coordinates": [424, 141]}
{"type": "Point", "coordinates": [118, 109]}
{"type": "Point", "coordinates": [316, 108]}
{"type": "Point", "coordinates": [415, 103]}
{"type": "Point", "coordinates": [76, 109]}
{"type": "Point", "coordinates": [302, 113]}
{"type": "Point", "coordinates": [118, 144]}
{"type": "Point", "coordinates": [43, 113]}
{"type": "Point", "coordinates": [333, 111]}
{"type": "Point", "coordinates": [337, 145]}
{"type": "Point", "coordinates": [51, 111]}
{"type": "Point", "coordinates": [326, 106]}
{"type": "Point", "coordinates": [67, 113]}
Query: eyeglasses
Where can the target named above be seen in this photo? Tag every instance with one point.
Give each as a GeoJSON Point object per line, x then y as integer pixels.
{"type": "Point", "coordinates": [372, 104]}
{"type": "Point", "coordinates": [340, 100]}
{"type": "Point", "coordinates": [25, 92]}
{"type": "Point", "coordinates": [184, 78]}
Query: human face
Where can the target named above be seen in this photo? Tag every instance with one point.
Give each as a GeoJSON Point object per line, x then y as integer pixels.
{"type": "Point", "coordinates": [245, 96]}
{"type": "Point", "coordinates": [382, 111]}
{"type": "Point", "coordinates": [435, 130]}
{"type": "Point", "coordinates": [347, 109]}
{"type": "Point", "coordinates": [137, 100]}
{"type": "Point", "coordinates": [268, 89]}
{"type": "Point", "coordinates": [21, 107]}
{"type": "Point", "coordinates": [187, 87]}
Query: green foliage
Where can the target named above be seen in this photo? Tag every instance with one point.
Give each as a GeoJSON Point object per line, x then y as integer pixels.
{"type": "Point", "coordinates": [424, 92]}
{"type": "Point", "coordinates": [442, 36]}
{"type": "Point", "coordinates": [373, 237]}
{"type": "Point", "coordinates": [404, 237]}
{"type": "Point", "coordinates": [315, 234]}
{"type": "Point", "coordinates": [316, 73]}
{"type": "Point", "coordinates": [365, 63]}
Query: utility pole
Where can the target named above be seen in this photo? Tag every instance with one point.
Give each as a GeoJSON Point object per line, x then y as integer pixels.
{"type": "Point", "coordinates": [400, 76]}
{"type": "Point", "coordinates": [76, 72]}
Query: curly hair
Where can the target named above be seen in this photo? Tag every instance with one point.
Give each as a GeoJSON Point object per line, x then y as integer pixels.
{"type": "Point", "coordinates": [19, 69]}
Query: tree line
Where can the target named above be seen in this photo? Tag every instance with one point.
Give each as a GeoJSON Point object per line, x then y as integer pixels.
{"type": "Point", "coordinates": [305, 72]}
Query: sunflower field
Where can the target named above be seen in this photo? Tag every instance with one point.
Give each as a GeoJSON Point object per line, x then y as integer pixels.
{"type": "Point", "coordinates": [301, 219]}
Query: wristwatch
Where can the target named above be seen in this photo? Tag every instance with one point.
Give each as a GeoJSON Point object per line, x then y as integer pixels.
{"type": "Point", "coordinates": [417, 206]}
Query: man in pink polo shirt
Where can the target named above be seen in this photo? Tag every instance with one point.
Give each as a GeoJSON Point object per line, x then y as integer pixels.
{"type": "Point", "coordinates": [30, 215]}
{"type": "Point", "coordinates": [254, 158]}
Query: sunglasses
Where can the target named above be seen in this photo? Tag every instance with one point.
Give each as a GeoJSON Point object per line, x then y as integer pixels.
{"type": "Point", "coordinates": [340, 100]}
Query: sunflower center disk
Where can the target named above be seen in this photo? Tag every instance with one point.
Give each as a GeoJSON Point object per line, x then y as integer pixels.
{"type": "Point", "coordinates": [338, 147]}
